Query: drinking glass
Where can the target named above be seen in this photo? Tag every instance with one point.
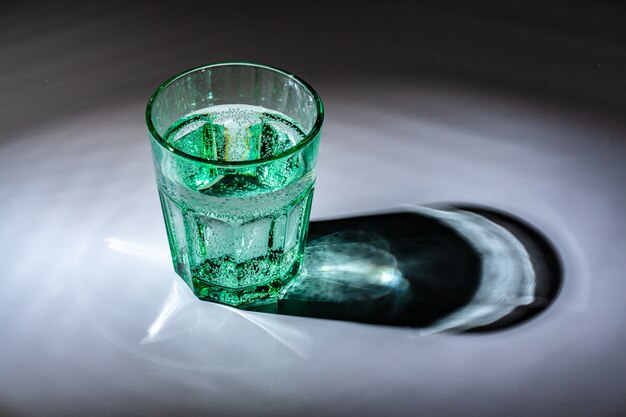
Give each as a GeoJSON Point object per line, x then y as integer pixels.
{"type": "Point", "coordinates": [235, 147]}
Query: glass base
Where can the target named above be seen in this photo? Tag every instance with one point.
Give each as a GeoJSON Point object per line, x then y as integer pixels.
{"type": "Point", "coordinates": [237, 296]}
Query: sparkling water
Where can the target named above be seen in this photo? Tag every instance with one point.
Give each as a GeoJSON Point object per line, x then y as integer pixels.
{"type": "Point", "coordinates": [236, 232]}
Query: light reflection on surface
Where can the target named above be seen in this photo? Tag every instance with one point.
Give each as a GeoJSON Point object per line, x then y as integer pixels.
{"type": "Point", "coordinates": [159, 257]}
{"type": "Point", "coordinates": [174, 302]}
{"type": "Point", "coordinates": [507, 276]}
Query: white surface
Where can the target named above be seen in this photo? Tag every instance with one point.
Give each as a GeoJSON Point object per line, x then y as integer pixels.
{"type": "Point", "coordinates": [95, 322]}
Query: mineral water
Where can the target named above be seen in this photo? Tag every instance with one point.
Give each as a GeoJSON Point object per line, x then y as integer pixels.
{"type": "Point", "coordinates": [236, 230]}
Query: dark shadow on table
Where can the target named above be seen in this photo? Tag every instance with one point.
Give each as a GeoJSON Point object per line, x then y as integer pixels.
{"type": "Point", "coordinates": [455, 268]}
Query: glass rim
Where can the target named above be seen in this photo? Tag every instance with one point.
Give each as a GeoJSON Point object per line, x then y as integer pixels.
{"type": "Point", "coordinates": [317, 125]}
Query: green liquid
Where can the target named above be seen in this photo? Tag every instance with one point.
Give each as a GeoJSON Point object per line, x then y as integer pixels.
{"type": "Point", "coordinates": [236, 234]}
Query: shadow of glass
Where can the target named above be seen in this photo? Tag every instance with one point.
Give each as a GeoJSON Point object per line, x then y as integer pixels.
{"type": "Point", "coordinates": [447, 269]}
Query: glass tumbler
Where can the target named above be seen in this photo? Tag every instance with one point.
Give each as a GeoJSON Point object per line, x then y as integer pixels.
{"type": "Point", "coordinates": [234, 148]}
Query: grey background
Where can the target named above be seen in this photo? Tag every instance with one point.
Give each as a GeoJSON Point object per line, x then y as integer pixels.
{"type": "Point", "coordinates": [514, 105]}
{"type": "Point", "coordinates": [62, 57]}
